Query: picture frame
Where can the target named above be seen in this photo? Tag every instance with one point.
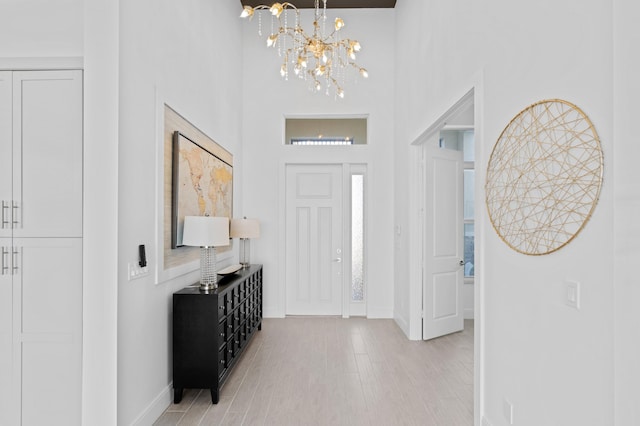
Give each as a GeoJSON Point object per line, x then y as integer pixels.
{"type": "Point", "coordinates": [202, 184]}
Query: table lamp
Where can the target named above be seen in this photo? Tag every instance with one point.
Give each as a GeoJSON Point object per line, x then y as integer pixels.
{"type": "Point", "coordinates": [207, 233]}
{"type": "Point", "coordinates": [244, 229]}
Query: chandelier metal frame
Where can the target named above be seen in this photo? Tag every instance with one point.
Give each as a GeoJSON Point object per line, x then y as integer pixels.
{"type": "Point", "coordinates": [314, 57]}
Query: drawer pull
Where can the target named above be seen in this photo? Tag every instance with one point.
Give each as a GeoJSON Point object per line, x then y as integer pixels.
{"type": "Point", "coordinates": [14, 214]}
{"type": "Point", "coordinates": [5, 265]}
{"type": "Point", "coordinates": [14, 261]}
{"type": "Point", "coordinates": [5, 222]}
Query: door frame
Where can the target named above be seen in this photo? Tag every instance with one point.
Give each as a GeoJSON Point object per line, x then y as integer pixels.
{"type": "Point", "coordinates": [474, 95]}
{"type": "Point", "coordinates": [347, 170]}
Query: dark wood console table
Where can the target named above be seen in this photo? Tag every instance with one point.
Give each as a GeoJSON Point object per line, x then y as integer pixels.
{"type": "Point", "coordinates": [212, 329]}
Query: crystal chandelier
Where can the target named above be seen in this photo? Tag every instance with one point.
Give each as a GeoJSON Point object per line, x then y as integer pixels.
{"type": "Point", "coordinates": [320, 58]}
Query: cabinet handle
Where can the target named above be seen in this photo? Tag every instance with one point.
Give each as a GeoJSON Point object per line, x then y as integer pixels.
{"type": "Point", "coordinates": [5, 261]}
{"type": "Point", "coordinates": [222, 361]}
{"type": "Point", "coordinates": [222, 334]}
{"type": "Point", "coordinates": [14, 214]}
{"type": "Point", "coordinates": [14, 261]}
{"type": "Point", "coordinates": [5, 217]}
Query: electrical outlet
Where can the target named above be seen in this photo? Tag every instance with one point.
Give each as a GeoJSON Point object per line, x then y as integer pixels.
{"type": "Point", "coordinates": [572, 294]}
{"type": "Point", "coordinates": [507, 408]}
{"type": "Point", "coordinates": [136, 272]}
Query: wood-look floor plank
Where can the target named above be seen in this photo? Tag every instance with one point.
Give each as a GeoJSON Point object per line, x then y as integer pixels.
{"type": "Point", "coordinates": [333, 371]}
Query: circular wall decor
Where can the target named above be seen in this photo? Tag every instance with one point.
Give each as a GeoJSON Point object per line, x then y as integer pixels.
{"type": "Point", "coordinates": [544, 177]}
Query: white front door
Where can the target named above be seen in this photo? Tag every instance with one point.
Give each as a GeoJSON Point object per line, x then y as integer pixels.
{"type": "Point", "coordinates": [443, 243]}
{"type": "Point", "coordinates": [314, 239]}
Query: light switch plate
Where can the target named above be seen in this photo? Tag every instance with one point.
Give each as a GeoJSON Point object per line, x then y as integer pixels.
{"type": "Point", "coordinates": [572, 294]}
{"type": "Point", "coordinates": [137, 272]}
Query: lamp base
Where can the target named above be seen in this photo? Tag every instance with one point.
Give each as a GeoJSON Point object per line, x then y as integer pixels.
{"type": "Point", "coordinates": [208, 269]}
{"type": "Point", "coordinates": [207, 287]}
{"type": "Point", "coordinates": [244, 252]}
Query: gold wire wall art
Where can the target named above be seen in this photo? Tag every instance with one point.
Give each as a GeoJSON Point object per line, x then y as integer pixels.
{"type": "Point", "coordinates": [544, 177]}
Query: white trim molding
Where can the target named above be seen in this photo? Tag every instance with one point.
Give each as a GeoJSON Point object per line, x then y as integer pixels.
{"type": "Point", "coordinates": [49, 63]}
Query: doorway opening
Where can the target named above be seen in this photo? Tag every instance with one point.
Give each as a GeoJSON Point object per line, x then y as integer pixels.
{"type": "Point", "coordinates": [464, 115]}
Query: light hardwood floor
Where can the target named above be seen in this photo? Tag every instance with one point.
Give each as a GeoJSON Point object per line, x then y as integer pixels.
{"type": "Point", "coordinates": [334, 371]}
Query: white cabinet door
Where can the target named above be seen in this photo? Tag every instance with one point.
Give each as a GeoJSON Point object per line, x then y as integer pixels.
{"type": "Point", "coordinates": [5, 152]}
{"type": "Point", "coordinates": [47, 153]}
{"type": "Point", "coordinates": [48, 329]}
{"type": "Point", "coordinates": [8, 395]}
{"type": "Point", "coordinates": [40, 274]}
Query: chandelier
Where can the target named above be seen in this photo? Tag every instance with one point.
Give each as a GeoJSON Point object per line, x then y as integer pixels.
{"type": "Point", "coordinates": [320, 58]}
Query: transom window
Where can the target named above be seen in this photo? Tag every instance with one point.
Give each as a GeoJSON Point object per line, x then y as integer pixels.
{"type": "Point", "coordinates": [325, 131]}
{"type": "Point", "coordinates": [322, 141]}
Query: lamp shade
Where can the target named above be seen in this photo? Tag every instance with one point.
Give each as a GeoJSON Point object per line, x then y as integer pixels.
{"type": "Point", "coordinates": [245, 228]}
{"type": "Point", "coordinates": [205, 231]}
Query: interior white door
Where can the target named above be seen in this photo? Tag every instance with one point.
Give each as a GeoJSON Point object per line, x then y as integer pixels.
{"type": "Point", "coordinates": [313, 240]}
{"type": "Point", "coordinates": [443, 273]}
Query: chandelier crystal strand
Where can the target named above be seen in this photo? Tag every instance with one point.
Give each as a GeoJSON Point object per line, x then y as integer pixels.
{"type": "Point", "coordinates": [324, 18]}
{"type": "Point", "coordinates": [317, 58]}
{"type": "Point", "coordinates": [285, 65]}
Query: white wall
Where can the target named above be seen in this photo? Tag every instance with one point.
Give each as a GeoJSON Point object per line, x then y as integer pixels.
{"type": "Point", "coordinates": [186, 54]}
{"type": "Point", "coordinates": [38, 28]}
{"type": "Point", "coordinates": [100, 263]}
{"type": "Point", "coordinates": [268, 99]}
{"type": "Point", "coordinates": [553, 363]}
{"type": "Point", "coordinates": [627, 210]}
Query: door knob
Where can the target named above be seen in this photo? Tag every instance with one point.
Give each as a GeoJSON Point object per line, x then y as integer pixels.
{"type": "Point", "coordinates": [337, 259]}
{"type": "Point", "coordinates": [461, 263]}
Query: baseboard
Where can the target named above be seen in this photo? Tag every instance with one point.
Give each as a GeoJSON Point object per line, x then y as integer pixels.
{"type": "Point", "coordinates": [372, 313]}
{"type": "Point", "coordinates": [403, 324]}
{"type": "Point", "coordinates": [155, 409]}
{"type": "Point", "coordinates": [377, 313]}
{"type": "Point", "coordinates": [486, 422]}
{"type": "Point", "coordinates": [469, 313]}
{"type": "Point", "coordinates": [271, 312]}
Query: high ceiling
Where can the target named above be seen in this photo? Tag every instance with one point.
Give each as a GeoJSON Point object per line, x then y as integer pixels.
{"type": "Point", "coordinates": [331, 4]}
